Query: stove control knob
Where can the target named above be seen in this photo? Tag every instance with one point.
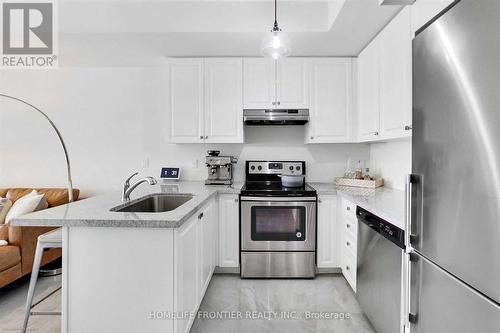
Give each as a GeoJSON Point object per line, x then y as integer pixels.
{"type": "Point", "coordinates": [298, 234]}
{"type": "Point", "coordinates": [252, 167]}
{"type": "Point", "coordinates": [291, 168]}
{"type": "Point", "coordinates": [259, 167]}
{"type": "Point", "coordinates": [297, 167]}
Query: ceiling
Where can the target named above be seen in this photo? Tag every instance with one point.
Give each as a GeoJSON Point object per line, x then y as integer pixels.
{"type": "Point", "coordinates": [152, 28]}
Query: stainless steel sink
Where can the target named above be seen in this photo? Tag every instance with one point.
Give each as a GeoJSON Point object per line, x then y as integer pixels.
{"type": "Point", "coordinates": [154, 203]}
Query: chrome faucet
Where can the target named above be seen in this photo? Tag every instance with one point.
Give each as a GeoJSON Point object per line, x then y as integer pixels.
{"type": "Point", "coordinates": [127, 188]}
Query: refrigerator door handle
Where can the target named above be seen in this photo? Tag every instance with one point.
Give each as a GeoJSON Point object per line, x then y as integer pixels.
{"type": "Point", "coordinates": [413, 184]}
{"type": "Point", "coordinates": [413, 289]}
{"type": "Point", "coordinates": [408, 191]}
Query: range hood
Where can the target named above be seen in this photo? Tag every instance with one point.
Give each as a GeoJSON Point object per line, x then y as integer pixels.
{"type": "Point", "coordinates": [271, 117]}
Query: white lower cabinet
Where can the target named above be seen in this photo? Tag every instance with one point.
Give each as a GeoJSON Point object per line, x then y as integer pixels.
{"type": "Point", "coordinates": [229, 250]}
{"type": "Point", "coordinates": [348, 241]}
{"type": "Point", "coordinates": [186, 272]}
{"type": "Point", "coordinates": [207, 236]}
{"type": "Point", "coordinates": [327, 253]}
{"type": "Point", "coordinates": [194, 244]}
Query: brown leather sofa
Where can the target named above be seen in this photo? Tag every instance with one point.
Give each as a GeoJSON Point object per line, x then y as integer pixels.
{"type": "Point", "coordinates": [16, 258]}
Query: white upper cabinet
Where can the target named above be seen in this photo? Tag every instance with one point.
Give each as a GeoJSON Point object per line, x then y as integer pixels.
{"type": "Point", "coordinates": [223, 100]}
{"type": "Point", "coordinates": [206, 100]}
{"type": "Point", "coordinates": [330, 87]}
{"type": "Point", "coordinates": [368, 92]}
{"type": "Point", "coordinates": [395, 77]}
{"type": "Point", "coordinates": [292, 87]}
{"type": "Point", "coordinates": [259, 83]}
{"type": "Point", "coordinates": [270, 84]}
{"type": "Point", "coordinates": [186, 100]}
{"type": "Point", "coordinates": [384, 83]}
{"type": "Point", "coordinates": [422, 11]}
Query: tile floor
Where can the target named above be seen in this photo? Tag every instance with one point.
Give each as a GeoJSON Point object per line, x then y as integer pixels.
{"type": "Point", "coordinates": [13, 298]}
{"type": "Point", "coordinates": [325, 295]}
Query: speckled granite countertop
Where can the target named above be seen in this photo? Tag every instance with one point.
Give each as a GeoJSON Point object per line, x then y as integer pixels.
{"type": "Point", "coordinates": [95, 211]}
{"type": "Point", "coordinates": [386, 203]}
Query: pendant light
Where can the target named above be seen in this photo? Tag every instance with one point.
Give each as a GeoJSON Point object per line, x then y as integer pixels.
{"type": "Point", "coordinates": [276, 44]}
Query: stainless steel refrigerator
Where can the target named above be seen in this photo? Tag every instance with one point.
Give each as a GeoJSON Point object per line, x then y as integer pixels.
{"type": "Point", "coordinates": [454, 189]}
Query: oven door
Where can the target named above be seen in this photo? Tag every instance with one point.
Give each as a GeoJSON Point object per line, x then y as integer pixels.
{"type": "Point", "coordinates": [278, 224]}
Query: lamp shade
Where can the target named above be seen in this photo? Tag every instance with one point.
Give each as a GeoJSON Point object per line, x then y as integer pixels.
{"type": "Point", "coordinates": [276, 44]}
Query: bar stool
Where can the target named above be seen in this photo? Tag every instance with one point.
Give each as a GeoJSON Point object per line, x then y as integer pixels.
{"type": "Point", "coordinates": [49, 240]}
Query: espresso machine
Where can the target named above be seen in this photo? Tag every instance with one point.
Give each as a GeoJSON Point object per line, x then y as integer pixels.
{"type": "Point", "coordinates": [220, 168]}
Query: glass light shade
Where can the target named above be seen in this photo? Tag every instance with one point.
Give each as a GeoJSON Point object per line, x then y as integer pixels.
{"type": "Point", "coordinates": [276, 45]}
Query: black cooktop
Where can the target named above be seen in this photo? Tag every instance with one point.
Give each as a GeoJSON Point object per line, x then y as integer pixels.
{"type": "Point", "coordinates": [259, 188]}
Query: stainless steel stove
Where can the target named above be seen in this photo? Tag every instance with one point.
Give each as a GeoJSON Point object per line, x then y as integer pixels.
{"type": "Point", "coordinates": [277, 223]}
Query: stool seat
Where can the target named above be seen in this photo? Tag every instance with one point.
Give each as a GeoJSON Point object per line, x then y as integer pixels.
{"type": "Point", "coordinates": [48, 240]}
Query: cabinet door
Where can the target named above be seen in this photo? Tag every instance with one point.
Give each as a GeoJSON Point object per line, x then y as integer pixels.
{"type": "Point", "coordinates": [205, 227]}
{"type": "Point", "coordinates": [223, 100]}
{"type": "Point", "coordinates": [368, 92]}
{"type": "Point", "coordinates": [292, 86]}
{"type": "Point", "coordinates": [259, 83]}
{"type": "Point", "coordinates": [186, 100]}
{"type": "Point", "coordinates": [327, 231]}
{"type": "Point", "coordinates": [395, 77]}
{"type": "Point", "coordinates": [229, 249]}
{"type": "Point", "coordinates": [187, 279]}
{"type": "Point", "coordinates": [331, 100]}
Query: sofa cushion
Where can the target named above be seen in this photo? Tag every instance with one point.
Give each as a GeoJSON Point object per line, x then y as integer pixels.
{"type": "Point", "coordinates": [31, 202]}
{"type": "Point", "coordinates": [4, 232]}
{"type": "Point", "coordinates": [9, 257]}
{"type": "Point", "coordinates": [55, 196]}
{"type": "Point", "coordinates": [5, 205]}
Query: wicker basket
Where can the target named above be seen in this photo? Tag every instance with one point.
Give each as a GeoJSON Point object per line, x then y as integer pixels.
{"type": "Point", "coordinates": [339, 181]}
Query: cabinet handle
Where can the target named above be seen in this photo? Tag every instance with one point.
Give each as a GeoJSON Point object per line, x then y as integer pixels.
{"type": "Point", "coordinates": [347, 243]}
{"type": "Point", "coordinates": [236, 200]}
{"type": "Point", "coordinates": [408, 128]}
{"type": "Point", "coordinates": [312, 137]}
{"type": "Point", "coordinates": [348, 226]}
{"type": "Point", "coordinates": [347, 267]}
{"type": "Point", "coordinates": [206, 137]}
{"type": "Point", "coordinates": [375, 133]}
{"type": "Point", "coordinates": [201, 137]}
{"type": "Point", "coordinates": [274, 103]}
{"type": "Point", "coordinates": [200, 216]}
{"type": "Point", "coordinates": [278, 103]}
{"type": "Point", "coordinates": [319, 200]}
{"type": "Point", "coordinates": [348, 208]}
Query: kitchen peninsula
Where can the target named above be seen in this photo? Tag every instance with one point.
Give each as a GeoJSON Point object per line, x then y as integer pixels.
{"type": "Point", "coordinates": [134, 272]}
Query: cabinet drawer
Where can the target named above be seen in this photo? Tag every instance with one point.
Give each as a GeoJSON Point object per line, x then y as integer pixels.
{"type": "Point", "coordinates": [348, 208]}
{"type": "Point", "coordinates": [349, 270]}
{"type": "Point", "coordinates": [350, 227]}
{"type": "Point", "coordinates": [349, 244]}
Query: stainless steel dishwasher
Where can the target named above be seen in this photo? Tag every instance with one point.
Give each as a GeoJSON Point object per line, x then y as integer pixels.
{"type": "Point", "coordinates": [380, 272]}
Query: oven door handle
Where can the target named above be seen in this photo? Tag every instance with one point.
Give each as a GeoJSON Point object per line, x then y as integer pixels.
{"type": "Point", "coordinates": [285, 199]}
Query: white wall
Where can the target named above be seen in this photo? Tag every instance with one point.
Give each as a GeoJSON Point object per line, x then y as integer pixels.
{"type": "Point", "coordinates": [114, 123]}
{"type": "Point", "coordinates": [391, 161]}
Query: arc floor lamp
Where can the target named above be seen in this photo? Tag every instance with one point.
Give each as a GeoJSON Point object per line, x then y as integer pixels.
{"type": "Point", "coordinates": [61, 140]}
